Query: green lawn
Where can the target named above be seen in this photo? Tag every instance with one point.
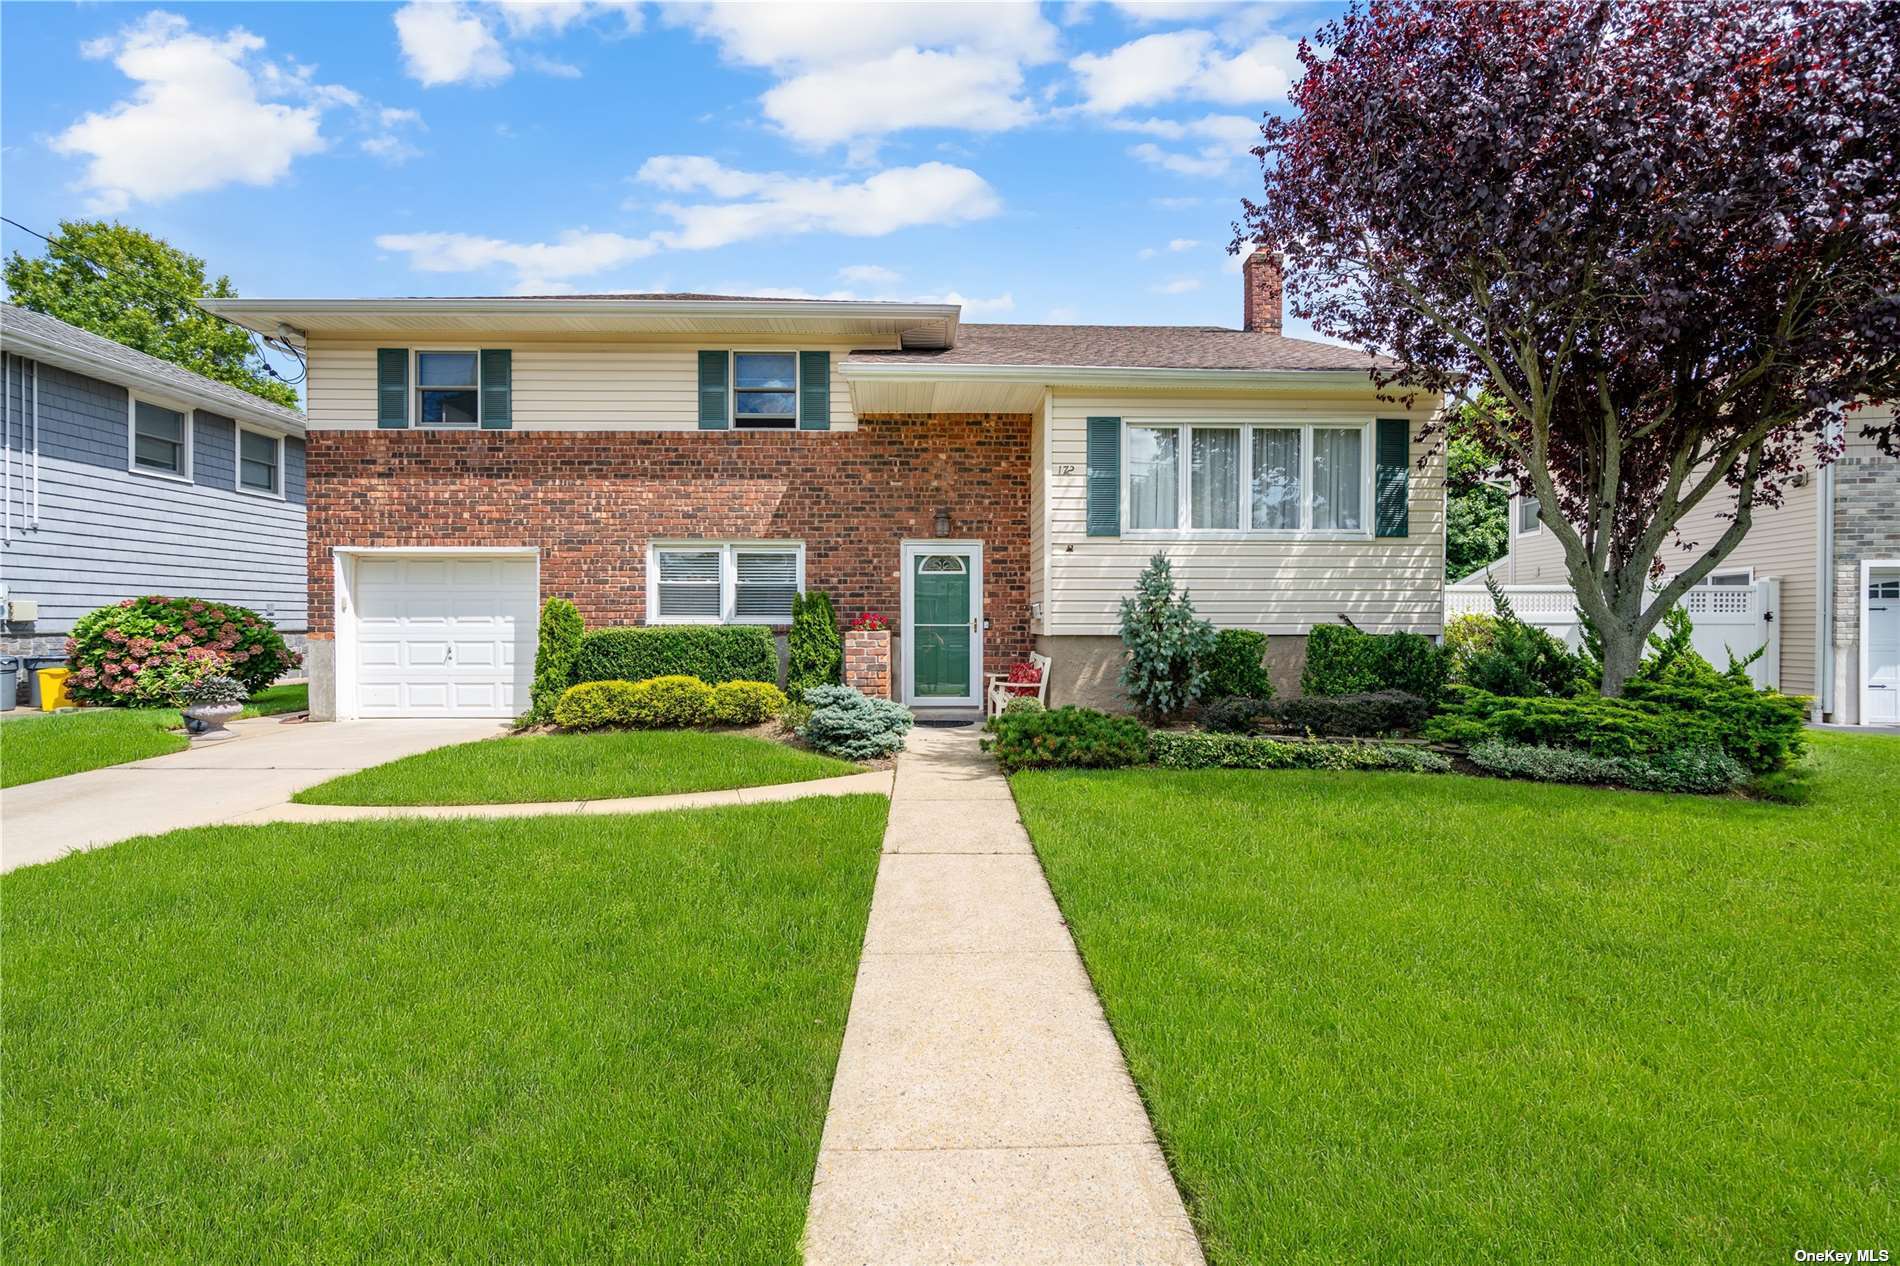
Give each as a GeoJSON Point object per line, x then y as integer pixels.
{"type": "Point", "coordinates": [546, 1039]}
{"type": "Point", "coordinates": [604, 765]}
{"type": "Point", "coordinates": [36, 745]}
{"type": "Point", "coordinates": [1392, 1017]}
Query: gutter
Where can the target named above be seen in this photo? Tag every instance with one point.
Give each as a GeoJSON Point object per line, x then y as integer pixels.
{"type": "Point", "coordinates": [19, 343]}
{"type": "Point", "coordinates": [1100, 375]}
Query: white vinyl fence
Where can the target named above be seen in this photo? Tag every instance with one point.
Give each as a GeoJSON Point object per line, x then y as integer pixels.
{"type": "Point", "coordinates": [1727, 618]}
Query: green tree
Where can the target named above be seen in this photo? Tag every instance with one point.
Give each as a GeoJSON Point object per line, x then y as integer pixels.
{"type": "Point", "coordinates": [136, 289]}
{"type": "Point", "coordinates": [1168, 645]}
{"type": "Point", "coordinates": [1477, 511]}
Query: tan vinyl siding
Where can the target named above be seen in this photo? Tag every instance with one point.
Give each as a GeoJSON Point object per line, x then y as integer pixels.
{"type": "Point", "coordinates": [1283, 585]}
{"type": "Point", "coordinates": [557, 386]}
{"type": "Point", "coordinates": [1781, 543]}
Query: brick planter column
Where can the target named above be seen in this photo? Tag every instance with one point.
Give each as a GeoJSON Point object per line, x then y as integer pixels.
{"type": "Point", "coordinates": [867, 662]}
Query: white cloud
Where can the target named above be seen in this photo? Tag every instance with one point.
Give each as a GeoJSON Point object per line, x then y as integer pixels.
{"type": "Point", "coordinates": [1174, 247]}
{"type": "Point", "coordinates": [869, 275]}
{"type": "Point", "coordinates": [542, 65]}
{"type": "Point", "coordinates": [971, 305]}
{"type": "Point", "coordinates": [754, 204]}
{"type": "Point", "coordinates": [449, 44]}
{"type": "Point", "coordinates": [207, 113]}
{"type": "Point", "coordinates": [1186, 65]}
{"type": "Point", "coordinates": [1223, 142]}
{"type": "Point", "coordinates": [575, 253]}
{"type": "Point", "coordinates": [530, 18]}
{"type": "Point", "coordinates": [1198, 165]}
{"type": "Point", "coordinates": [853, 73]}
{"type": "Point", "coordinates": [1179, 286]}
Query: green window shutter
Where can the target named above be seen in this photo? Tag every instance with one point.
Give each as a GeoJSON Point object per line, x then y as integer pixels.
{"type": "Point", "coordinates": [814, 391]}
{"type": "Point", "coordinates": [713, 412]}
{"type": "Point", "coordinates": [1392, 449]}
{"type": "Point", "coordinates": [392, 387]}
{"type": "Point", "coordinates": [498, 374]}
{"type": "Point", "coordinates": [1105, 477]}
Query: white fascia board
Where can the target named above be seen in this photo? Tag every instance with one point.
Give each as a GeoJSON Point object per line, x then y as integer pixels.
{"type": "Point", "coordinates": [1103, 375]}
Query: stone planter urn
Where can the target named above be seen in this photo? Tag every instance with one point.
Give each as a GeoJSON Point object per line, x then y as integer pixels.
{"type": "Point", "coordinates": [867, 661]}
{"type": "Point", "coordinates": [205, 722]}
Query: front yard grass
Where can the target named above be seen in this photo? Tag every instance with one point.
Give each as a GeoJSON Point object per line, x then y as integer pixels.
{"type": "Point", "coordinates": [1412, 1018]}
{"type": "Point", "coordinates": [603, 765]}
{"type": "Point", "coordinates": [36, 746]}
{"type": "Point", "coordinates": [540, 1039]}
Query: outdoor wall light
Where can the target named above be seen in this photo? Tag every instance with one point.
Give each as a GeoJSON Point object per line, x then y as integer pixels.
{"type": "Point", "coordinates": [942, 523]}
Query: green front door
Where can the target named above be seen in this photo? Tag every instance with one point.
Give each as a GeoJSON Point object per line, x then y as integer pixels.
{"type": "Point", "coordinates": [941, 627]}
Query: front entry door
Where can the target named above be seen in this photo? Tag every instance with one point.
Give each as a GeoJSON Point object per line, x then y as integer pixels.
{"type": "Point", "coordinates": [943, 637]}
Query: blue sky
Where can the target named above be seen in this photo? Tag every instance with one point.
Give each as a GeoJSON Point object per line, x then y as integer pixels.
{"type": "Point", "coordinates": [1078, 162]}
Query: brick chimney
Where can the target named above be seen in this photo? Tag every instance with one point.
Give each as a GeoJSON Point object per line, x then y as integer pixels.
{"type": "Point", "coordinates": [1261, 272]}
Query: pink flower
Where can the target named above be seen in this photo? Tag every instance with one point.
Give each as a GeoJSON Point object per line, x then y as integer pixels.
{"type": "Point", "coordinates": [71, 646]}
{"type": "Point", "coordinates": [197, 606]}
{"type": "Point", "coordinates": [161, 628]}
{"type": "Point", "coordinates": [129, 602]}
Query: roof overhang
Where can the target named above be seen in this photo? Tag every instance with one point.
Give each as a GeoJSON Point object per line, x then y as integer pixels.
{"type": "Point", "coordinates": [161, 388]}
{"type": "Point", "coordinates": [922, 326]}
{"type": "Point", "coordinates": [920, 387]}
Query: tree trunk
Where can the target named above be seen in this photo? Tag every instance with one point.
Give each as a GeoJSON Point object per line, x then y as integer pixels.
{"type": "Point", "coordinates": [1621, 657]}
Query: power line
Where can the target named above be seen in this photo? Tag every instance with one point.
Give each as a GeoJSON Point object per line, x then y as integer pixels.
{"type": "Point", "coordinates": [250, 335]}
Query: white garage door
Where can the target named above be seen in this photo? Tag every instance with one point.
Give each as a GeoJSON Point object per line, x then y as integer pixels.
{"type": "Point", "coordinates": [1881, 699]}
{"type": "Point", "coordinates": [444, 637]}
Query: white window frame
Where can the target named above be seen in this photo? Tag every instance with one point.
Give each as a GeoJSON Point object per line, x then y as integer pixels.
{"type": "Point", "coordinates": [728, 575]}
{"type": "Point", "coordinates": [415, 384]}
{"type": "Point", "coordinates": [732, 385]}
{"type": "Point", "coordinates": [237, 462]}
{"type": "Point", "coordinates": [1714, 579]}
{"type": "Point", "coordinates": [1184, 510]}
{"type": "Point", "coordinates": [1517, 517]}
{"type": "Point", "coordinates": [132, 401]}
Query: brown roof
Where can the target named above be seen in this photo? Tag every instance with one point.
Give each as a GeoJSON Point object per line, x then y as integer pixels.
{"type": "Point", "coordinates": [1129, 347]}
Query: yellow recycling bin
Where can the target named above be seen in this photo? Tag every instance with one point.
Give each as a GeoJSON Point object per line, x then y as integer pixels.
{"type": "Point", "coordinates": [53, 689]}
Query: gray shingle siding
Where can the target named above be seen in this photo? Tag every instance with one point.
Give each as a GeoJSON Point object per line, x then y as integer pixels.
{"type": "Point", "coordinates": [106, 533]}
{"type": "Point", "coordinates": [214, 451]}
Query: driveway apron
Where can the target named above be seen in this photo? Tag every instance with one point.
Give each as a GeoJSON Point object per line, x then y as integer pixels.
{"type": "Point", "coordinates": [982, 1111]}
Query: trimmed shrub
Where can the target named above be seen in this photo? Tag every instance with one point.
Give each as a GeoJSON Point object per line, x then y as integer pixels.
{"type": "Point", "coordinates": [594, 705]}
{"type": "Point", "coordinates": [666, 702]}
{"type": "Point", "coordinates": [852, 725]}
{"type": "Point", "coordinates": [559, 642]}
{"type": "Point", "coordinates": [113, 648]}
{"type": "Point", "coordinates": [1166, 643]}
{"type": "Point", "coordinates": [1234, 751]}
{"type": "Point", "coordinates": [1700, 770]}
{"type": "Point", "coordinates": [1466, 636]}
{"type": "Point", "coordinates": [1068, 738]}
{"type": "Point", "coordinates": [1520, 659]}
{"type": "Point", "coordinates": [1763, 729]}
{"type": "Point", "coordinates": [815, 649]}
{"type": "Point", "coordinates": [1344, 661]}
{"type": "Point", "coordinates": [1235, 668]}
{"type": "Point", "coordinates": [1379, 713]}
{"type": "Point", "coordinates": [1235, 714]}
{"type": "Point", "coordinates": [711, 652]}
{"type": "Point", "coordinates": [1021, 704]}
{"type": "Point", "coordinates": [745, 702]}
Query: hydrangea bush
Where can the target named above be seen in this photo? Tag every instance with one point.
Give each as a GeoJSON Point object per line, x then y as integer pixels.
{"type": "Point", "coordinates": [142, 652]}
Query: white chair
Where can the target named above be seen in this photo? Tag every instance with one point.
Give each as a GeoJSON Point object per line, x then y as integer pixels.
{"type": "Point", "coordinates": [999, 690]}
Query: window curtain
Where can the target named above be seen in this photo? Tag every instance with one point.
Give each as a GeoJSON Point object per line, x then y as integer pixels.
{"type": "Point", "coordinates": [1276, 480]}
{"type": "Point", "coordinates": [1154, 474]}
{"type": "Point", "coordinates": [1338, 480]}
{"type": "Point", "coordinates": [1214, 478]}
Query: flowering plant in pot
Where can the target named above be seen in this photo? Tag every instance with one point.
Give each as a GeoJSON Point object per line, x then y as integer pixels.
{"type": "Point", "coordinates": [209, 703]}
{"type": "Point", "coordinates": [870, 622]}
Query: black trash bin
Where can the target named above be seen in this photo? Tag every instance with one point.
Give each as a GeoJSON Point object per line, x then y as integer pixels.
{"type": "Point", "coordinates": [31, 667]}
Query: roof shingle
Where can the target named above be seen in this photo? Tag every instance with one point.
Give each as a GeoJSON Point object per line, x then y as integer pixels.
{"type": "Point", "coordinates": [1130, 347]}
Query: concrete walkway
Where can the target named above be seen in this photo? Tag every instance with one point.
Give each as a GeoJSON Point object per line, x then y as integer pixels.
{"type": "Point", "coordinates": [206, 785]}
{"type": "Point", "coordinates": [982, 1111]}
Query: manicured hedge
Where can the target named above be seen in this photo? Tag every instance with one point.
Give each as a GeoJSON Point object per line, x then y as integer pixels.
{"type": "Point", "coordinates": [1235, 668]}
{"type": "Point", "coordinates": [1068, 738]}
{"type": "Point", "coordinates": [559, 642]}
{"type": "Point", "coordinates": [1344, 661]}
{"type": "Point", "coordinates": [1192, 750]}
{"type": "Point", "coordinates": [1701, 770]}
{"type": "Point", "coordinates": [713, 653]}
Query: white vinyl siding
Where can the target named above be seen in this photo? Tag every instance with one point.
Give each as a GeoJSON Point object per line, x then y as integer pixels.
{"type": "Point", "coordinates": [1275, 583]}
{"type": "Point", "coordinates": [713, 582]}
{"type": "Point", "coordinates": [556, 386]}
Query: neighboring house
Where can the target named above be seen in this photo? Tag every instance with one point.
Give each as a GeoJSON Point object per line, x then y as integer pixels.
{"type": "Point", "coordinates": [991, 489]}
{"type": "Point", "coordinates": [1815, 571]}
{"type": "Point", "coordinates": [127, 475]}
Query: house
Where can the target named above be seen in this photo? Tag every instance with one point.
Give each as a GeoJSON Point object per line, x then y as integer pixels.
{"type": "Point", "coordinates": [1817, 579]}
{"type": "Point", "coordinates": [686, 458]}
{"type": "Point", "coordinates": [124, 475]}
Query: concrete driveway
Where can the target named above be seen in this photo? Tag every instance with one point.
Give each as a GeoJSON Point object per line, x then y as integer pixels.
{"type": "Point", "coordinates": [270, 760]}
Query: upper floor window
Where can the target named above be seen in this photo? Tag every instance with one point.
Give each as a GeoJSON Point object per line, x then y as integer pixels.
{"type": "Point", "coordinates": [161, 440]}
{"type": "Point", "coordinates": [1243, 478]}
{"type": "Point", "coordinates": [765, 390]}
{"type": "Point", "coordinates": [1530, 515]}
{"type": "Point", "coordinates": [712, 582]}
{"type": "Point", "coordinates": [260, 466]}
{"type": "Point", "coordinates": [448, 389]}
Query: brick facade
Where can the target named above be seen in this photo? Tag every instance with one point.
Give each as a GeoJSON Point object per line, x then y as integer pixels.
{"type": "Point", "coordinates": [592, 500]}
{"type": "Point", "coordinates": [867, 662]}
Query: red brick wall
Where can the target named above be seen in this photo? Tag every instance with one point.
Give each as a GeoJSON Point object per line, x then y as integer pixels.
{"type": "Point", "coordinates": [591, 500]}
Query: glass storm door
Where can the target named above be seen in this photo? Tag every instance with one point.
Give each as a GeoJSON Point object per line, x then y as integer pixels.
{"type": "Point", "coordinates": [943, 626]}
